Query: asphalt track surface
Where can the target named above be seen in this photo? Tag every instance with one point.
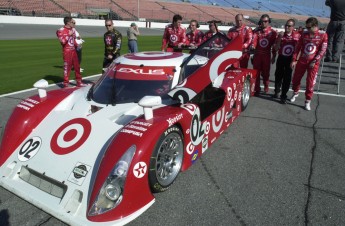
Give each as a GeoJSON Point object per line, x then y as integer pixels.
{"type": "Point", "coordinates": [275, 165]}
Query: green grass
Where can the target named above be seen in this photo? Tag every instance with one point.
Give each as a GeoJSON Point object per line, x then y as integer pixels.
{"type": "Point", "coordinates": [23, 62]}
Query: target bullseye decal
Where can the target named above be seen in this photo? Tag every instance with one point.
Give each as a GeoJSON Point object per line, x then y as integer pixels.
{"type": "Point", "coordinates": [70, 136]}
{"type": "Point", "coordinates": [288, 50]}
{"type": "Point", "coordinates": [264, 42]}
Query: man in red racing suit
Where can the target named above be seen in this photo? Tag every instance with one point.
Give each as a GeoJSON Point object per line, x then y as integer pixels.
{"type": "Point", "coordinates": [246, 34]}
{"type": "Point", "coordinates": [310, 48]}
{"type": "Point", "coordinates": [174, 35]}
{"type": "Point", "coordinates": [264, 38]}
{"type": "Point", "coordinates": [67, 36]}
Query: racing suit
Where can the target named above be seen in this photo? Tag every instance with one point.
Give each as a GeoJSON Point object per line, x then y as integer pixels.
{"type": "Point", "coordinates": [263, 40]}
{"type": "Point", "coordinates": [69, 52]}
{"type": "Point", "coordinates": [194, 38]}
{"type": "Point", "coordinates": [112, 46]}
{"type": "Point", "coordinates": [246, 35]}
{"type": "Point", "coordinates": [173, 37]}
{"type": "Point", "coordinates": [283, 66]}
{"type": "Point", "coordinates": [310, 49]}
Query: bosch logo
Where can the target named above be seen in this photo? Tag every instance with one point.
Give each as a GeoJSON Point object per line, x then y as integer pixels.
{"type": "Point", "coordinates": [70, 136]}
{"type": "Point", "coordinates": [287, 50]}
{"type": "Point", "coordinates": [142, 71]}
{"type": "Point", "coordinates": [263, 43]}
{"type": "Point", "coordinates": [309, 49]}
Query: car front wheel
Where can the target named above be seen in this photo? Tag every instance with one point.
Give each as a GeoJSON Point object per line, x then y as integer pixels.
{"type": "Point", "coordinates": [245, 94]}
{"type": "Point", "coordinates": [166, 160]}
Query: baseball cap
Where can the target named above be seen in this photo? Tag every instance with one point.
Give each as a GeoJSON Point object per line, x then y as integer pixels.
{"type": "Point", "coordinates": [133, 24]}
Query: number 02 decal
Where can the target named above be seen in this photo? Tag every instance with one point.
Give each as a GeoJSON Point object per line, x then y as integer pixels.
{"type": "Point", "coordinates": [29, 149]}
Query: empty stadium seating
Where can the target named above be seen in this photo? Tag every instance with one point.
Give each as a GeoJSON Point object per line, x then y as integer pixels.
{"type": "Point", "coordinates": [158, 10]}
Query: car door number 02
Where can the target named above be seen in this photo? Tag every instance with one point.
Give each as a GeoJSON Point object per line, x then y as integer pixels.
{"type": "Point", "coordinates": [29, 149]}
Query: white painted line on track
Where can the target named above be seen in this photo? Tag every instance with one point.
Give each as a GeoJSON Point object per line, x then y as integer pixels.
{"type": "Point", "coordinates": [54, 84]}
{"type": "Point", "coordinates": [315, 92]}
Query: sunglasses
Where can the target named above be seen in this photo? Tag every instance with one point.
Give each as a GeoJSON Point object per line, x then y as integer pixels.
{"type": "Point", "coordinates": [73, 22]}
{"type": "Point", "coordinates": [264, 21]}
{"type": "Point", "coordinates": [108, 25]}
{"type": "Point", "coordinates": [287, 25]}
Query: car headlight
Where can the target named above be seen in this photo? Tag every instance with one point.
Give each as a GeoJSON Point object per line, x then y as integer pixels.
{"type": "Point", "coordinates": [111, 192]}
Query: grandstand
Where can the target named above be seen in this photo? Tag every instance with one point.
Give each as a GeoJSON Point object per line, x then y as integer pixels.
{"type": "Point", "coordinates": [163, 10]}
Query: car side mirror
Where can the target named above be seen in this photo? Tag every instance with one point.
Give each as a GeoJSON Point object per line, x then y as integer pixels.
{"type": "Point", "coordinates": [148, 102]}
{"type": "Point", "coordinates": [41, 85]}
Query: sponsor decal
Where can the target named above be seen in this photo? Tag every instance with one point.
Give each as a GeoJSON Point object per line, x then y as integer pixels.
{"type": "Point", "coordinates": [70, 136]}
{"type": "Point", "coordinates": [190, 148]}
{"type": "Point", "coordinates": [235, 97]}
{"type": "Point", "coordinates": [228, 116]}
{"type": "Point", "coordinates": [79, 173]}
{"type": "Point", "coordinates": [172, 121]}
{"type": "Point", "coordinates": [204, 144]}
{"type": "Point", "coordinates": [142, 71]}
{"type": "Point", "coordinates": [139, 170]}
{"type": "Point", "coordinates": [232, 102]}
{"type": "Point", "coordinates": [189, 107]}
{"type": "Point", "coordinates": [218, 119]}
{"type": "Point", "coordinates": [229, 93]}
{"type": "Point", "coordinates": [29, 149]}
{"type": "Point", "coordinates": [195, 156]}
{"type": "Point", "coordinates": [136, 128]}
{"type": "Point", "coordinates": [27, 104]}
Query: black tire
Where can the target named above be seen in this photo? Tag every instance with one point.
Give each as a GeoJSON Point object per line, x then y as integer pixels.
{"type": "Point", "coordinates": [245, 94]}
{"type": "Point", "coordinates": [166, 160]}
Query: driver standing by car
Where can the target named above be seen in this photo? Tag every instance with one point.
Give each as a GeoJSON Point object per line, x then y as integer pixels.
{"type": "Point", "coordinates": [246, 34]}
{"type": "Point", "coordinates": [174, 35]}
{"type": "Point", "coordinates": [112, 42]}
{"type": "Point", "coordinates": [67, 38]}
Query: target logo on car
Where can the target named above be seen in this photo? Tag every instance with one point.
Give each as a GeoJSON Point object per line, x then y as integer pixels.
{"type": "Point", "coordinates": [70, 136]}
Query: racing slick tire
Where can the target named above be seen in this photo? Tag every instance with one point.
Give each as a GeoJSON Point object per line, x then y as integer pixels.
{"type": "Point", "coordinates": [245, 94]}
{"type": "Point", "coordinates": [166, 160]}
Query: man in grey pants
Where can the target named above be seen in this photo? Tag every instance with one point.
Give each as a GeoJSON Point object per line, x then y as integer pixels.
{"type": "Point", "coordinates": [335, 30]}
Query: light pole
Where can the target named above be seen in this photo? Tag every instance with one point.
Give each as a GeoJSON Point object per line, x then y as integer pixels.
{"type": "Point", "coordinates": [138, 9]}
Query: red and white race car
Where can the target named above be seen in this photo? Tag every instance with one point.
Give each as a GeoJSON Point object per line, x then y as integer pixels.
{"type": "Point", "coordinates": [96, 154]}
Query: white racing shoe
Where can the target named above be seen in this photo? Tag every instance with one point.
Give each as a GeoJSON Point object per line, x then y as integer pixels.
{"type": "Point", "coordinates": [294, 96]}
{"type": "Point", "coordinates": [307, 105]}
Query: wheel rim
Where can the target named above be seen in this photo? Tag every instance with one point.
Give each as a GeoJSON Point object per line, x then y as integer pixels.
{"type": "Point", "coordinates": [169, 159]}
{"type": "Point", "coordinates": [246, 93]}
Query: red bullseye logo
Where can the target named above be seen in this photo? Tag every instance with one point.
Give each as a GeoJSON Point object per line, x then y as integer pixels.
{"type": "Point", "coordinates": [288, 50]}
{"type": "Point", "coordinates": [264, 43]}
{"type": "Point", "coordinates": [70, 136]}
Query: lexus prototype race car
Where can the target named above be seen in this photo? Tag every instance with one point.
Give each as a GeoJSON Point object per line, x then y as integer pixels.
{"type": "Point", "coordinates": [96, 154]}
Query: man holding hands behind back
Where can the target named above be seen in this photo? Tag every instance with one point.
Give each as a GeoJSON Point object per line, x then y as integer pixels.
{"type": "Point", "coordinates": [112, 43]}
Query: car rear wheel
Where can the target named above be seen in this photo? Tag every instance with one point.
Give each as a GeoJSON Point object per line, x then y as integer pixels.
{"type": "Point", "coordinates": [245, 94]}
{"type": "Point", "coordinates": [166, 160]}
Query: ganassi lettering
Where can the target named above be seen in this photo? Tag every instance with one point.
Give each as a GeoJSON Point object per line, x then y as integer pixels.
{"type": "Point", "coordinates": [172, 121]}
{"type": "Point", "coordinates": [27, 104]}
{"type": "Point", "coordinates": [136, 127]}
{"type": "Point", "coordinates": [142, 123]}
{"type": "Point", "coordinates": [142, 71]}
{"type": "Point", "coordinates": [135, 133]}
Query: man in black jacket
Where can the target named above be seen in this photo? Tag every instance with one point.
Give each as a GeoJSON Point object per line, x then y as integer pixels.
{"type": "Point", "coordinates": [112, 43]}
{"type": "Point", "coordinates": [335, 30]}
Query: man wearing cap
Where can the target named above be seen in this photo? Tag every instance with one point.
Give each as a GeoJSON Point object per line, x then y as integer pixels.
{"type": "Point", "coordinates": [132, 33]}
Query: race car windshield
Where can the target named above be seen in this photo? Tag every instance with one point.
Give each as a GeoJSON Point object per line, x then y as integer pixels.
{"type": "Point", "coordinates": [128, 83]}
